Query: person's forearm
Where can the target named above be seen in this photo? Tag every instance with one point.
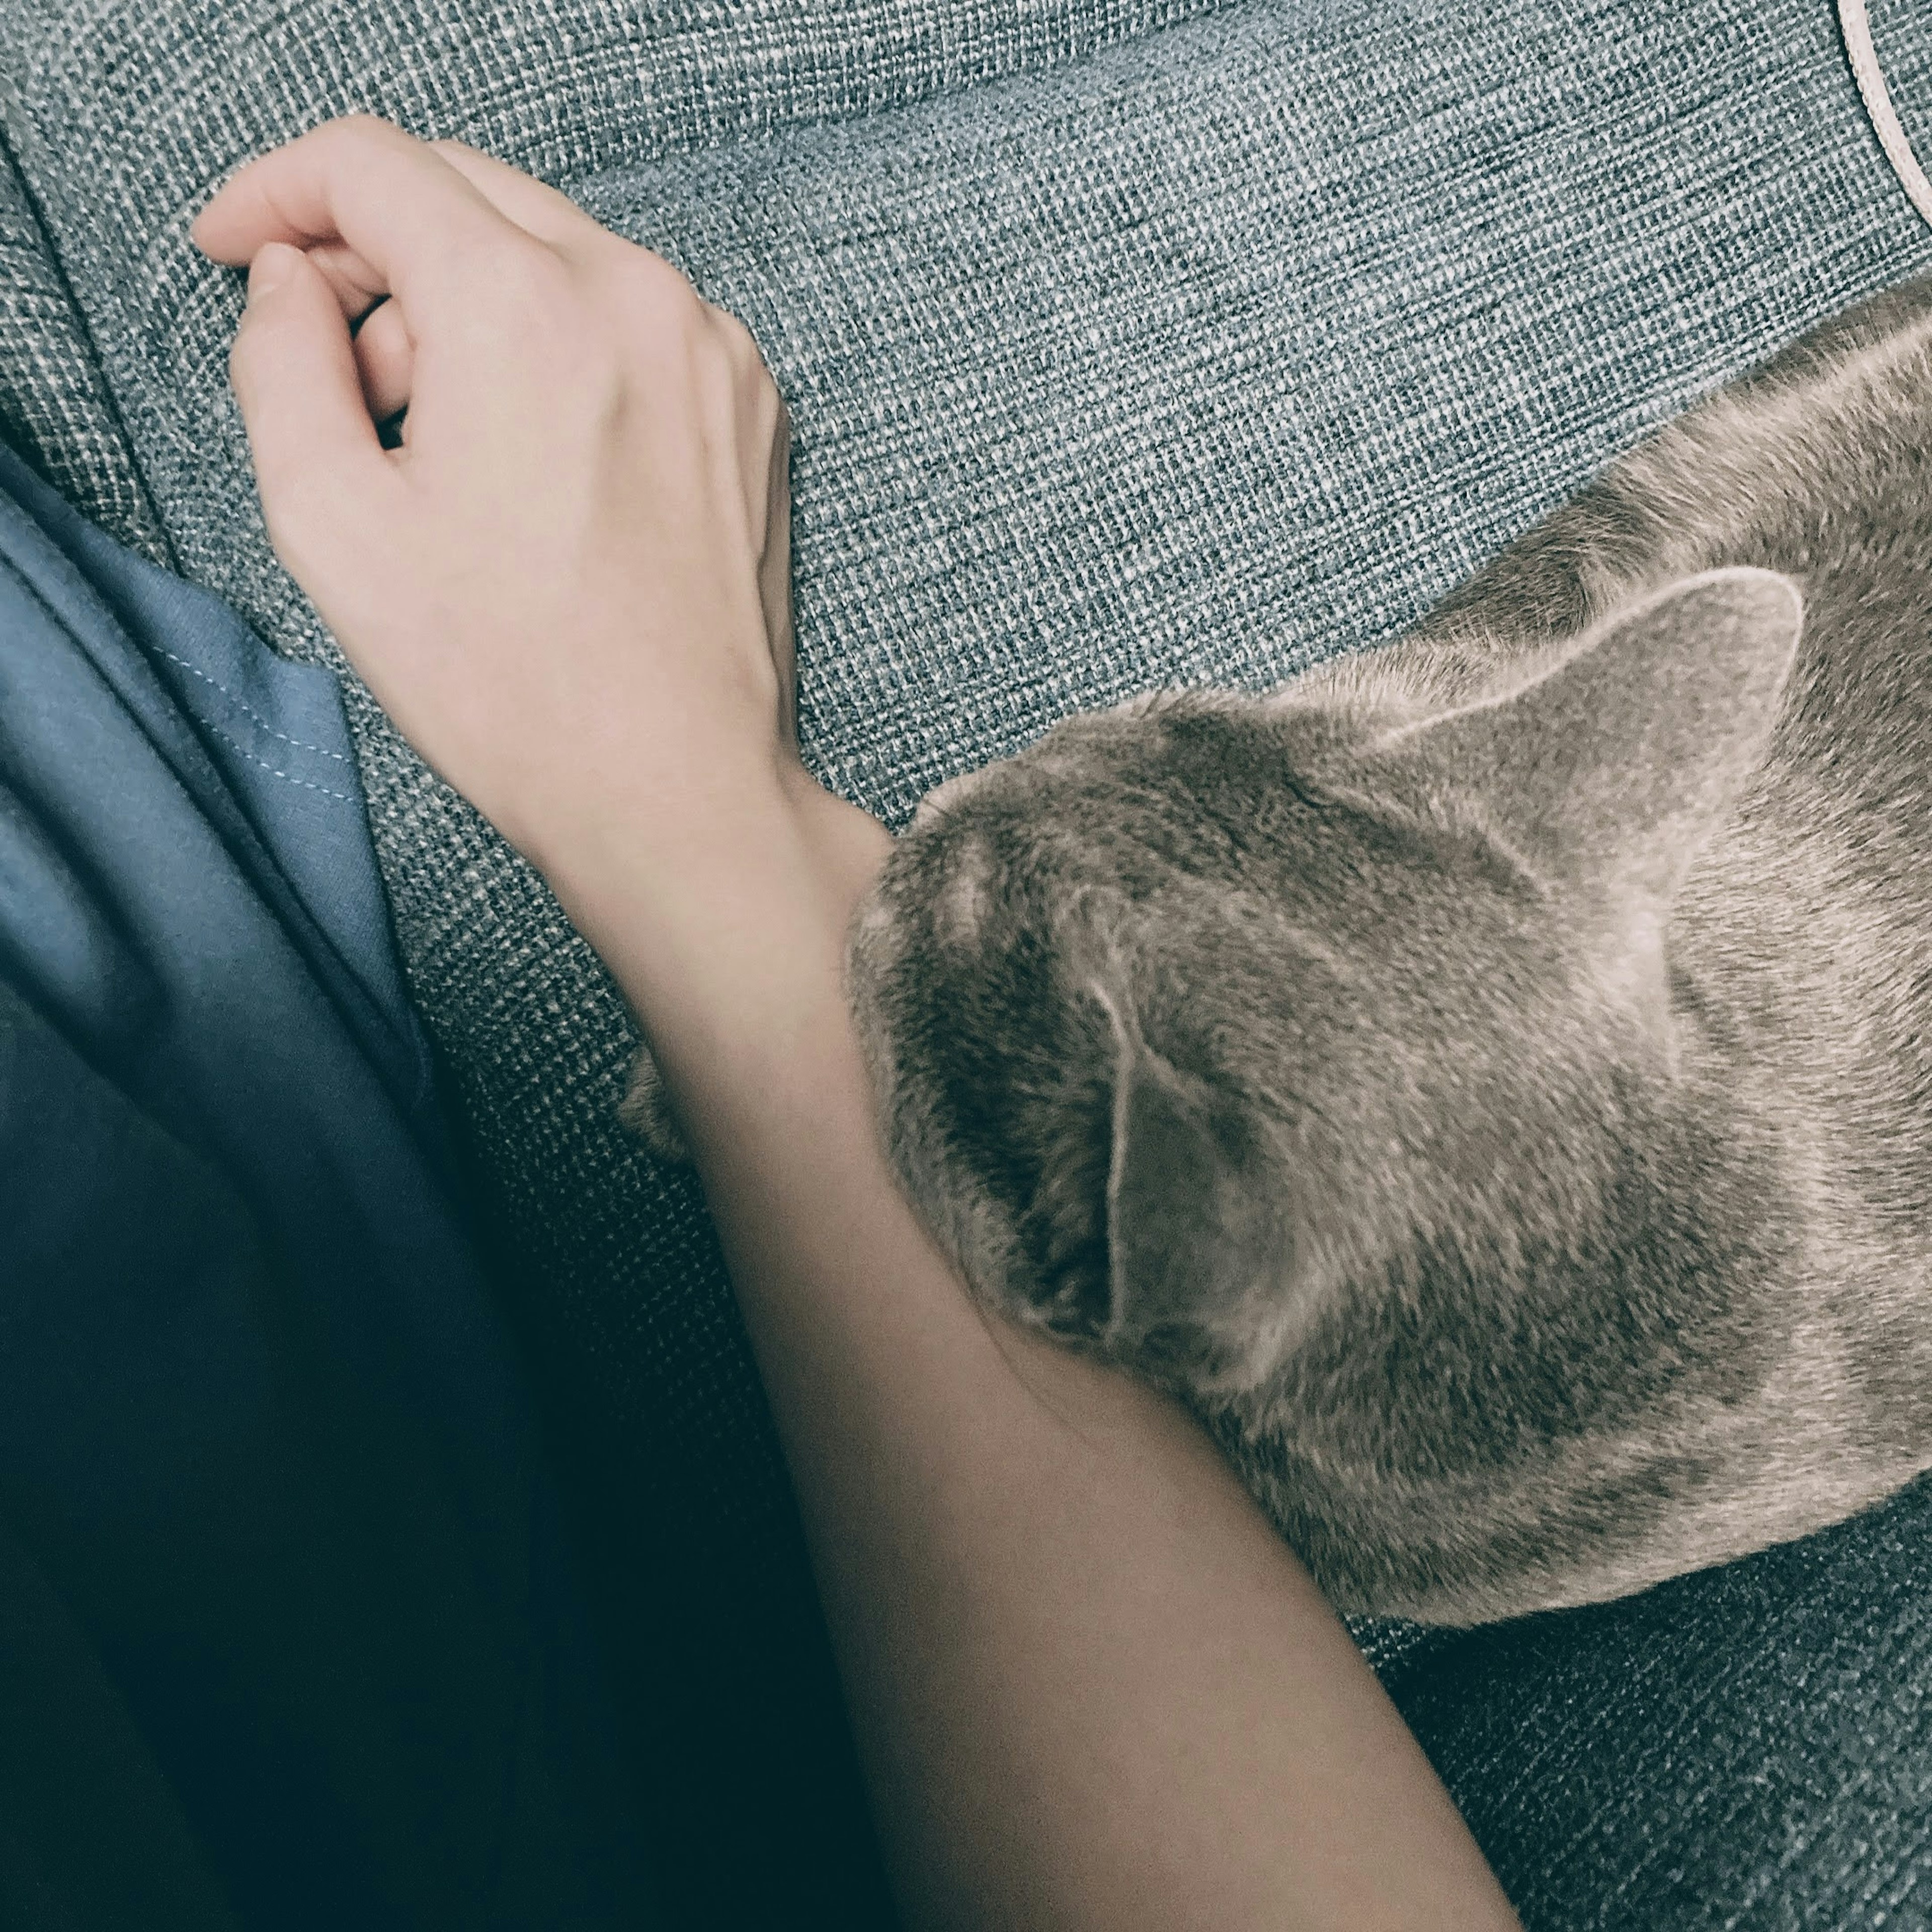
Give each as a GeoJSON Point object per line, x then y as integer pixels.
{"type": "Point", "coordinates": [1091, 1686]}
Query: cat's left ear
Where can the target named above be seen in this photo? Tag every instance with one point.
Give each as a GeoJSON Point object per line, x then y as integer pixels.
{"type": "Point", "coordinates": [1609, 770]}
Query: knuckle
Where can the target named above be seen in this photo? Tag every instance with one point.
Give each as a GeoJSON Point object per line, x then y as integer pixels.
{"type": "Point", "coordinates": [532, 291]}
{"type": "Point", "coordinates": [757, 384]}
{"type": "Point", "coordinates": [345, 133]}
{"type": "Point", "coordinates": [653, 290]}
{"type": "Point", "coordinates": [741, 347]}
{"type": "Point", "coordinates": [731, 331]}
{"type": "Point", "coordinates": [531, 273]}
{"type": "Point", "coordinates": [359, 125]}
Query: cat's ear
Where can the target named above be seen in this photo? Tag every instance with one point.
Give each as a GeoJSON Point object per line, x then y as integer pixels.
{"type": "Point", "coordinates": [1191, 1222]}
{"type": "Point", "coordinates": [1611, 768]}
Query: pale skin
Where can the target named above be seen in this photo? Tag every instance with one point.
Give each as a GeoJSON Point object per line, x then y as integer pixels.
{"type": "Point", "coordinates": [1091, 1687]}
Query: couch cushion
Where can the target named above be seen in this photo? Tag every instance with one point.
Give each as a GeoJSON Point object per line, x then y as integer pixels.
{"type": "Point", "coordinates": [55, 407]}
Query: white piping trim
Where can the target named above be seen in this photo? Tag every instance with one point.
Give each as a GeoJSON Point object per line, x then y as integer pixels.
{"type": "Point", "coordinates": [1865, 70]}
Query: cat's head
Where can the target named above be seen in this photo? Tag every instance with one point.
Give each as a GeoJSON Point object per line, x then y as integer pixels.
{"type": "Point", "coordinates": [1202, 1009]}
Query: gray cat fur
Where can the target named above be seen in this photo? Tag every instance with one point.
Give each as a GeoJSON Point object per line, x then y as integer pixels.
{"type": "Point", "coordinates": [1489, 1078]}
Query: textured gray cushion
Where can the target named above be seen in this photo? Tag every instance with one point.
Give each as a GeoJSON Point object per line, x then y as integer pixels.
{"type": "Point", "coordinates": [54, 401]}
{"type": "Point", "coordinates": [1124, 345]}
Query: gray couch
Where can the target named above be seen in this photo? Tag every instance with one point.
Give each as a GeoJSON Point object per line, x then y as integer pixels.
{"type": "Point", "coordinates": [1127, 343]}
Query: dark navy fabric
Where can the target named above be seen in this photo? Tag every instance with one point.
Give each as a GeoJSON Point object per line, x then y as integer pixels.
{"type": "Point", "coordinates": [290, 1635]}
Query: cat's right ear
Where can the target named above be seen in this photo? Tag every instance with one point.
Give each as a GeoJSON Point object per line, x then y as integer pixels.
{"type": "Point", "coordinates": [1607, 768]}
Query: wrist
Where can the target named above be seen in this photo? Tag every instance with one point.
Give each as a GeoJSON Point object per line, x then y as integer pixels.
{"type": "Point", "coordinates": [600, 838]}
{"type": "Point", "coordinates": [720, 916]}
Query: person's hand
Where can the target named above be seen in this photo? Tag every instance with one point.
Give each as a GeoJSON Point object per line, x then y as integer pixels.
{"type": "Point", "coordinates": [570, 584]}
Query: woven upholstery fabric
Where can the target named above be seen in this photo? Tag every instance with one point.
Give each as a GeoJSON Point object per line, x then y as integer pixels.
{"type": "Point", "coordinates": [54, 406]}
{"type": "Point", "coordinates": [1748, 1747]}
{"type": "Point", "coordinates": [1125, 345]}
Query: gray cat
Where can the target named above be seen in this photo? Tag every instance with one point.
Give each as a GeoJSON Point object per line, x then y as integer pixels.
{"type": "Point", "coordinates": [1488, 1079]}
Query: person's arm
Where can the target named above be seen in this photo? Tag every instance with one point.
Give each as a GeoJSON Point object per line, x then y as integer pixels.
{"type": "Point", "coordinates": [1091, 1686]}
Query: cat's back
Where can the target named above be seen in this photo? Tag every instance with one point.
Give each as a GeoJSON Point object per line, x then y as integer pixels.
{"type": "Point", "coordinates": [1808, 923]}
{"type": "Point", "coordinates": [1800, 940]}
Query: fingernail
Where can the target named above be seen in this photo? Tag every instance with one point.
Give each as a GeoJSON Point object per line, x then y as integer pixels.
{"type": "Point", "coordinates": [269, 270]}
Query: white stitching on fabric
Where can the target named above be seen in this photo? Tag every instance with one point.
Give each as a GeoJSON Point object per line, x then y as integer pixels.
{"type": "Point", "coordinates": [195, 671]}
{"type": "Point", "coordinates": [1856, 26]}
{"type": "Point", "coordinates": [306, 785]}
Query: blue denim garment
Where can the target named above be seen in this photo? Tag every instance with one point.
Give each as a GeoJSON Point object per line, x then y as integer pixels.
{"type": "Point", "coordinates": [285, 1609]}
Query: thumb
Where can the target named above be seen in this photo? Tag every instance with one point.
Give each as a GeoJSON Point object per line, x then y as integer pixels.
{"type": "Point", "coordinates": [292, 368]}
